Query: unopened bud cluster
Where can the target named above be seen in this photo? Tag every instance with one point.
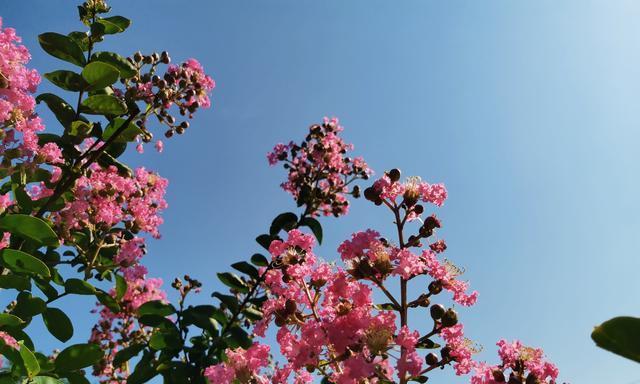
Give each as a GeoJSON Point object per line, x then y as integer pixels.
{"type": "Point", "coordinates": [184, 86]}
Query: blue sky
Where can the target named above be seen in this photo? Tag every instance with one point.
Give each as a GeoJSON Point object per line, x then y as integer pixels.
{"type": "Point", "coordinates": [526, 110]}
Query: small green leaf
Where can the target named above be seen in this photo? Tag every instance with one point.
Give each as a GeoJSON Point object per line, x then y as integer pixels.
{"type": "Point", "coordinates": [58, 323]}
{"type": "Point", "coordinates": [264, 241]}
{"type": "Point", "coordinates": [78, 356]}
{"type": "Point", "coordinates": [22, 262]}
{"type": "Point", "coordinates": [315, 227]}
{"type": "Point", "coordinates": [127, 354]}
{"type": "Point", "coordinates": [284, 221]}
{"type": "Point", "coordinates": [128, 134]}
{"type": "Point", "coordinates": [79, 287]}
{"type": "Point", "coordinates": [100, 75]}
{"type": "Point", "coordinates": [29, 360]}
{"type": "Point", "coordinates": [259, 260]}
{"type": "Point", "coordinates": [21, 283]}
{"type": "Point", "coordinates": [126, 69]}
{"type": "Point", "coordinates": [103, 105]}
{"type": "Point", "coordinates": [81, 38]}
{"type": "Point", "coordinates": [156, 307]}
{"type": "Point", "coordinates": [11, 321]}
{"type": "Point", "coordinates": [60, 108]}
{"type": "Point", "coordinates": [238, 337]}
{"type": "Point", "coordinates": [63, 47]}
{"type": "Point", "coordinates": [67, 80]}
{"type": "Point", "coordinates": [105, 299]}
{"type": "Point", "coordinates": [121, 287]}
{"type": "Point", "coordinates": [46, 380]}
{"type": "Point", "coordinates": [114, 24]}
{"type": "Point", "coordinates": [252, 313]}
{"type": "Point", "coordinates": [246, 268]}
{"type": "Point", "coordinates": [80, 128]}
{"type": "Point", "coordinates": [233, 281]}
{"type": "Point", "coordinates": [620, 335]}
{"type": "Point", "coordinates": [230, 301]}
{"type": "Point", "coordinates": [28, 306]}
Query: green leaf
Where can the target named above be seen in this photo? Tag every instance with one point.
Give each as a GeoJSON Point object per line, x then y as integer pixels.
{"type": "Point", "coordinates": [204, 316]}
{"type": "Point", "coordinates": [246, 268]}
{"type": "Point", "coordinates": [67, 80]}
{"type": "Point", "coordinates": [21, 283]}
{"type": "Point", "coordinates": [58, 323]}
{"type": "Point", "coordinates": [128, 134]}
{"type": "Point", "coordinates": [100, 75]}
{"type": "Point", "coordinates": [60, 108]}
{"type": "Point", "coordinates": [144, 370]}
{"type": "Point", "coordinates": [80, 128]}
{"type": "Point", "coordinates": [11, 321]}
{"type": "Point", "coordinates": [315, 227]}
{"type": "Point", "coordinates": [22, 262]}
{"type": "Point", "coordinates": [253, 313]}
{"type": "Point", "coordinates": [230, 301]}
{"type": "Point", "coordinates": [75, 378]}
{"type": "Point", "coordinates": [286, 221]}
{"type": "Point", "coordinates": [127, 354]}
{"type": "Point", "coordinates": [126, 69]}
{"type": "Point", "coordinates": [81, 38]}
{"type": "Point", "coordinates": [103, 105]}
{"type": "Point", "coordinates": [233, 281]}
{"type": "Point", "coordinates": [114, 24]}
{"type": "Point", "coordinates": [156, 307]}
{"type": "Point", "coordinates": [620, 335]}
{"type": "Point", "coordinates": [28, 306]}
{"type": "Point", "coordinates": [78, 356]}
{"type": "Point", "coordinates": [29, 360]}
{"type": "Point", "coordinates": [238, 337]}
{"type": "Point", "coordinates": [108, 301]}
{"type": "Point", "coordinates": [46, 380]}
{"type": "Point", "coordinates": [63, 47]}
{"type": "Point", "coordinates": [259, 260]}
{"type": "Point", "coordinates": [264, 241]}
{"type": "Point", "coordinates": [121, 287]}
{"type": "Point", "coordinates": [79, 287]}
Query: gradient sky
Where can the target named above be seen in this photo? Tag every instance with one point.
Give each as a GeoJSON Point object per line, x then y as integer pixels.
{"type": "Point", "coordinates": [526, 110]}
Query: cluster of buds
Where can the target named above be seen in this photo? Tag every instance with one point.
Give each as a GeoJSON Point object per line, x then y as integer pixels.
{"type": "Point", "coordinates": [187, 286]}
{"type": "Point", "coordinates": [319, 169]}
{"type": "Point", "coordinates": [90, 9]}
{"type": "Point", "coordinates": [185, 86]}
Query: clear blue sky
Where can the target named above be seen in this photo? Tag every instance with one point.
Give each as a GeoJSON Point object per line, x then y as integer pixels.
{"type": "Point", "coordinates": [527, 110]}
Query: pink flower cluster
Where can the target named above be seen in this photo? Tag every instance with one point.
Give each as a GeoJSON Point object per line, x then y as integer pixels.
{"type": "Point", "coordinates": [319, 170]}
{"type": "Point", "coordinates": [18, 122]}
{"type": "Point", "coordinates": [104, 198]}
{"type": "Point", "coordinates": [327, 322]}
{"type": "Point", "coordinates": [368, 256]}
{"type": "Point", "coordinates": [241, 365]}
{"type": "Point", "coordinates": [115, 331]}
{"type": "Point", "coordinates": [414, 189]}
{"type": "Point", "coordinates": [519, 364]}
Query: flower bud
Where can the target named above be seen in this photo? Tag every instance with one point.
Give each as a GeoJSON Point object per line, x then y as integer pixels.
{"type": "Point", "coordinates": [435, 287]}
{"type": "Point", "coordinates": [437, 311]}
{"type": "Point", "coordinates": [370, 194]}
{"type": "Point", "coordinates": [394, 175]}
{"type": "Point", "coordinates": [531, 379]}
{"type": "Point", "coordinates": [498, 376]}
{"type": "Point", "coordinates": [431, 359]}
{"type": "Point", "coordinates": [450, 318]}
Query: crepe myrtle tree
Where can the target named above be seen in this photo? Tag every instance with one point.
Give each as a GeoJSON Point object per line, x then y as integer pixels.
{"type": "Point", "coordinates": [72, 215]}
